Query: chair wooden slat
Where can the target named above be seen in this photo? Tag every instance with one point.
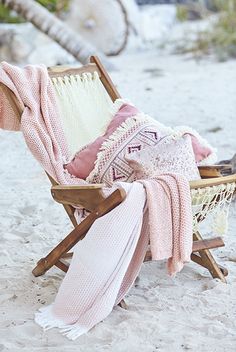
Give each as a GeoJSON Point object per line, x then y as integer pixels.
{"type": "Point", "coordinates": [79, 232]}
{"type": "Point", "coordinates": [61, 71]}
{"type": "Point", "coordinates": [212, 182]}
{"type": "Point", "coordinates": [106, 80]}
{"type": "Point", "coordinates": [87, 197]}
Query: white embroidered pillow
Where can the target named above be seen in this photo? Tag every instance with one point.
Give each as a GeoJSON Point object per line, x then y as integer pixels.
{"type": "Point", "coordinates": [171, 154]}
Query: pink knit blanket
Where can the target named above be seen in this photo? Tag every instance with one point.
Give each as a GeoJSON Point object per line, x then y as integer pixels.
{"type": "Point", "coordinates": [170, 219]}
{"type": "Point", "coordinates": [40, 120]}
{"type": "Point", "coordinates": [106, 263]}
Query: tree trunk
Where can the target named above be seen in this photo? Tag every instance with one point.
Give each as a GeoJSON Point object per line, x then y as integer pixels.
{"type": "Point", "coordinates": [55, 29]}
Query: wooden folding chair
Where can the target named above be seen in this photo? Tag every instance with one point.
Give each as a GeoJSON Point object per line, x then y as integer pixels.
{"type": "Point", "coordinates": [213, 187]}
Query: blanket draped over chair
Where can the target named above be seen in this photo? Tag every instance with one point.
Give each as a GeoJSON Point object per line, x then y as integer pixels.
{"type": "Point", "coordinates": [40, 122]}
{"type": "Point", "coordinates": [106, 263]}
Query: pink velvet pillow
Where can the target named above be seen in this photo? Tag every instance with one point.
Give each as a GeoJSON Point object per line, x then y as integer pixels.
{"type": "Point", "coordinates": [83, 162]}
{"type": "Point", "coordinates": [171, 154]}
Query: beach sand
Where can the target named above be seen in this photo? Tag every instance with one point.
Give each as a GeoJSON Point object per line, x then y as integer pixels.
{"type": "Point", "coordinates": [191, 312]}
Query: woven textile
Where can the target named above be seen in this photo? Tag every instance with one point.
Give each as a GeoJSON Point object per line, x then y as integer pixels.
{"type": "Point", "coordinates": [170, 219]}
{"type": "Point", "coordinates": [40, 121]}
{"type": "Point", "coordinates": [133, 135]}
{"type": "Point", "coordinates": [85, 108]}
{"type": "Point", "coordinates": [106, 263]}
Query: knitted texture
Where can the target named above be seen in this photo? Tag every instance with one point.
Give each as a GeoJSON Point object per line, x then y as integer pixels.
{"type": "Point", "coordinates": [40, 120]}
{"type": "Point", "coordinates": [170, 219]}
{"type": "Point", "coordinates": [106, 263]}
{"type": "Point", "coordinates": [95, 281]}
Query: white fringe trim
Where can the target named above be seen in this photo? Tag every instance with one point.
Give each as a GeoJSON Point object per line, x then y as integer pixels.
{"type": "Point", "coordinates": [44, 318]}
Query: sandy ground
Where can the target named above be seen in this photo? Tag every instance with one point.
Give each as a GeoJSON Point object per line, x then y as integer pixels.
{"type": "Point", "coordinates": [191, 312]}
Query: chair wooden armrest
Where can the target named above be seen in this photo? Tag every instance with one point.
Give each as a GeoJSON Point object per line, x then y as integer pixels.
{"type": "Point", "coordinates": [212, 182]}
{"type": "Point", "coordinates": [207, 171]}
{"type": "Point", "coordinates": [85, 196]}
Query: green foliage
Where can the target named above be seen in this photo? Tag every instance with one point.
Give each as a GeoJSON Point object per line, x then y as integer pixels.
{"type": "Point", "coordinates": [8, 16]}
{"type": "Point", "coordinates": [181, 13]}
{"type": "Point", "coordinates": [220, 38]}
{"type": "Point", "coordinates": [55, 6]}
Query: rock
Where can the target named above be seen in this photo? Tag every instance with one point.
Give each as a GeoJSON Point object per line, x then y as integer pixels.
{"type": "Point", "coordinates": [13, 45]}
{"type": "Point", "coordinates": [24, 44]}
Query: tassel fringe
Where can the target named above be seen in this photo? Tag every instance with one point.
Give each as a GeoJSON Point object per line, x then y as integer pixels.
{"type": "Point", "coordinates": [138, 120]}
{"type": "Point", "coordinates": [46, 320]}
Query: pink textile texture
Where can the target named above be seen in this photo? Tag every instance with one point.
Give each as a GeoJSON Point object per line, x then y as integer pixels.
{"type": "Point", "coordinates": [201, 152]}
{"type": "Point", "coordinates": [91, 287]}
{"type": "Point", "coordinates": [171, 154]}
{"type": "Point", "coordinates": [40, 122]}
{"type": "Point", "coordinates": [107, 261]}
{"type": "Point", "coordinates": [113, 165]}
{"type": "Point", "coordinates": [83, 162]}
{"type": "Point", "coordinates": [170, 219]}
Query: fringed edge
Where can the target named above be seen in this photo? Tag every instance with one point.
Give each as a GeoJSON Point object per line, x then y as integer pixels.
{"type": "Point", "coordinates": [68, 78]}
{"type": "Point", "coordinates": [114, 137]}
{"type": "Point", "coordinates": [113, 110]}
{"type": "Point", "coordinates": [44, 318]}
{"type": "Point", "coordinates": [165, 130]}
{"type": "Point", "coordinates": [210, 159]}
{"type": "Point", "coordinates": [220, 225]}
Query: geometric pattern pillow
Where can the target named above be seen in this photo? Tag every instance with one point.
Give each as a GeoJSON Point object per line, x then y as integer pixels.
{"type": "Point", "coordinates": [133, 135]}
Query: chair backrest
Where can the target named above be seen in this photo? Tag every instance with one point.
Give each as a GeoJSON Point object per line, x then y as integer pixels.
{"type": "Point", "coordinates": [85, 98]}
{"type": "Point", "coordinates": [86, 106]}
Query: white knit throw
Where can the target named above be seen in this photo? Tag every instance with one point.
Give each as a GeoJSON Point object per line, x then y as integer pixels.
{"type": "Point", "coordinates": [107, 261]}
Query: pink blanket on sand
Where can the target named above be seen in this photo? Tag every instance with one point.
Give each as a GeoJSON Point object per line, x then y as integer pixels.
{"type": "Point", "coordinates": [106, 263]}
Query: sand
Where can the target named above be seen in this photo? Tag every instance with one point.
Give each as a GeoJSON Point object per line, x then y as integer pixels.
{"type": "Point", "coordinates": [191, 312]}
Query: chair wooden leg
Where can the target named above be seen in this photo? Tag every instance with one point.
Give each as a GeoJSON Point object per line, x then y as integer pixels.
{"type": "Point", "coordinates": [206, 259]}
{"type": "Point", "coordinates": [78, 233]}
{"type": "Point", "coordinates": [123, 305]}
{"type": "Point", "coordinates": [63, 265]}
{"type": "Point", "coordinates": [197, 259]}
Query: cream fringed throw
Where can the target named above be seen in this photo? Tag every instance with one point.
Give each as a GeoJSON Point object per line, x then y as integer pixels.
{"type": "Point", "coordinates": [106, 263]}
{"type": "Point", "coordinates": [40, 124]}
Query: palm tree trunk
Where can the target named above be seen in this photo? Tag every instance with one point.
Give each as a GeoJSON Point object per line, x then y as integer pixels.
{"type": "Point", "coordinates": [46, 22]}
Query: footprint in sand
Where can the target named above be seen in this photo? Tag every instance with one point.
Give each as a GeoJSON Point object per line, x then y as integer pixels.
{"type": "Point", "coordinates": [28, 210]}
